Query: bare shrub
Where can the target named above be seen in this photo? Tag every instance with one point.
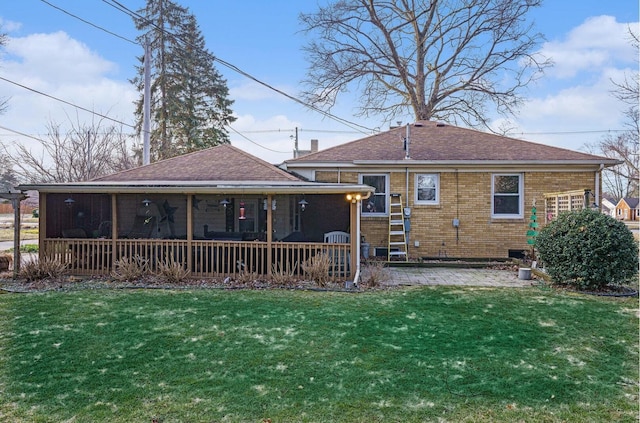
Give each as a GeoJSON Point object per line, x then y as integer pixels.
{"type": "Point", "coordinates": [283, 276]}
{"type": "Point", "coordinates": [317, 269]}
{"type": "Point", "coordinates": [5, 261]}
{"type": "Point", "coordinates": [130, 268]}
{"type": "Point", "coordinates": [172, 271]}
{"type": "Point", "coordinates": [374, 273]}
{"type": "Point", "coordinates": [46, 268]}
{"type": "Point", "coordinates": [246, 278]}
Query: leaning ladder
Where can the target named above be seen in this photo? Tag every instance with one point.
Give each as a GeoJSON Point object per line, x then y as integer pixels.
{"type": "Point", "coordinates": [397, 235]}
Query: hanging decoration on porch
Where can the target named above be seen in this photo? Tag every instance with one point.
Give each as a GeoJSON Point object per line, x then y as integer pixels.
{"type": "Point", "coordinates": [242, 216]}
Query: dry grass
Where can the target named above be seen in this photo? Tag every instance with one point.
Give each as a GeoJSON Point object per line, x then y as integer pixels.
{"type": "Point", "coordinates": [173, 272]}
{"type": "Point", "coordinates": [45, 268]}
{"type": "Point", "coordinates": [130, 268]}
{"type": "Point", "coordinates": [317, 269]}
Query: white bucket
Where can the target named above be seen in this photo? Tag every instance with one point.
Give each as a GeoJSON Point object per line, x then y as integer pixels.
{"type": "Point", "coordinates": [524, 273]}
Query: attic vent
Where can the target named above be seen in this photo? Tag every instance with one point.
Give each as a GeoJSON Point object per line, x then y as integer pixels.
{"type": "Point", "coordinates": [418, 125]}
{"type": "Point", "coordinates": [440, 124]}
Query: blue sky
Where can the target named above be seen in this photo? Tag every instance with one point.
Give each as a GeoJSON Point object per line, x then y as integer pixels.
{"type": "Point", "coordinates": [57, 54]}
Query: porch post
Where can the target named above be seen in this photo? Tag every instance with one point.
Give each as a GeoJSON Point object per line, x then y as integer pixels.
{"type": "Point", "coordinates": [15, 202]}
{"type": "Point", "coordinates": [114, 230]}
{"type": "Point", "coordinates": [42, 224]}
{"type": "Point", "coordinates": [269, 233]}
{"type": "Point", "coordinates": [189, 230]}
{"type": "Point", "coordinates": [354, 237]}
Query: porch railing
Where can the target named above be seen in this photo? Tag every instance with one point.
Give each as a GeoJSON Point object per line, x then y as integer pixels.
{"type": "Point", "coordinates": [203, 258]}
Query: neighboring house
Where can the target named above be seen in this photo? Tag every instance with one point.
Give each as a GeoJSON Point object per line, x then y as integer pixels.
{"type": "Point", "coordinates": [468, 193]}
{"type": "Point", "coordinates": [219, 211]}
{"type": "Point", "coordinates": [628, 209]}
{"type": "Point", "coordinates": [608, 205]}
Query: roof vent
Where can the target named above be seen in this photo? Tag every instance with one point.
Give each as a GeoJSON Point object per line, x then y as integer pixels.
{"type": "Point", "coordinates": [440, 124]}
{"type": "Point", "coordinates": [418, 125]}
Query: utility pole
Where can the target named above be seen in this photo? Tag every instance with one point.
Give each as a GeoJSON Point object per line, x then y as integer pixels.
{"type": "Point", "coordinates": [295, 148]}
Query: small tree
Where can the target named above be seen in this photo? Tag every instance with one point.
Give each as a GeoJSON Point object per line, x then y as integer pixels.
{"type": "Point", "coordinates": [588, 250]}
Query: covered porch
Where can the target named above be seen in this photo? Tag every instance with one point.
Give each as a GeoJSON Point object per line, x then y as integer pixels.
{"type": "Point", "coordinates": [211, 229]}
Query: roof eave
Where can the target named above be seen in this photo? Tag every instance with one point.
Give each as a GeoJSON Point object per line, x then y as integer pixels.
{"type": "Point", "coordinates": [204, 187]}
{"type": "Point", "coordinates": [449, 163]}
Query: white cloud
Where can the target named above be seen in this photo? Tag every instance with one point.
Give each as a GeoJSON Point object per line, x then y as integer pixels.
{"type": "Point", "coordinates": [9, 26]}
{"type": "Point", "coordinates": [598, 42]}
{"type": "Point", "coordinates": [54, 65]}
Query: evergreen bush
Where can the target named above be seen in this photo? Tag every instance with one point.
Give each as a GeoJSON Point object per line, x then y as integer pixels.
{"type": "Point", "coordinates": [588, 250]}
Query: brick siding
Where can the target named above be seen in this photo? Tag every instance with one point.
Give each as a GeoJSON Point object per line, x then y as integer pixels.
{"type": "Point", "coordinates": [466, 196]}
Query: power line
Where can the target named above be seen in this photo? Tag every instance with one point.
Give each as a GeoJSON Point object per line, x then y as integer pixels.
{"type": "Point", "coordinates": [90, 23]}
{"type": "Point", "coordinates": [66, 102]}
{"type": "Point", "coordinates": [21, 133]}
{"type": "Point", "coordinates": [259, 145]}
{"type": "Point", "coordinates": [119, 6]}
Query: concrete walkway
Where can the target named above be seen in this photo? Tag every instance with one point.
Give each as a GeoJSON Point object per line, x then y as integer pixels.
{"type": "Point", "coordinates": [457, 277]}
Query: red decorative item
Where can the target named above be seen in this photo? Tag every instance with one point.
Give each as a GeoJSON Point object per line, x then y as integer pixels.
{"type": "Point", "coordinates": [242, 216]}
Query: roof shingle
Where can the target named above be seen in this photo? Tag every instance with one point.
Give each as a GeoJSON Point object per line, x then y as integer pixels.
{"type": "Point", "coordinates": [432, 141]}
{"type": "Point", "coordinates": [221, 163]}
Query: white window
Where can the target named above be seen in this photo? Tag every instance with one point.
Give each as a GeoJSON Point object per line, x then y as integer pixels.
{"type": "Point", "coordinates": [427, 188]}
{"type": "Point", "coordinates": [378, 202]}
{"type": "Point", "coordinates": [507, 195]}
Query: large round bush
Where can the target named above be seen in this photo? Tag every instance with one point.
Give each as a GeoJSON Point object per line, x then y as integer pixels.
{"type": "Point", "coordinates": [588, 250]}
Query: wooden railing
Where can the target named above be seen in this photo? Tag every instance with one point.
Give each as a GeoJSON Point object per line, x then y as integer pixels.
{"type": "Point", "coordinates": [203, 258]}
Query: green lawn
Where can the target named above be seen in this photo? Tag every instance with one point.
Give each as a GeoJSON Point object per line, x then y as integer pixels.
{"type": "Point", "coordinates": [422, 354]}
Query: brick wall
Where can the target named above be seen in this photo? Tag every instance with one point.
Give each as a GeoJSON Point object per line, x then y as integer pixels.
{"type": "Point", "coordinates": [466, 196]}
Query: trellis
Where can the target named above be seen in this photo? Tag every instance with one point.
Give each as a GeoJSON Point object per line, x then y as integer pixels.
{"type": "Point", "coordinates": [558, 202]}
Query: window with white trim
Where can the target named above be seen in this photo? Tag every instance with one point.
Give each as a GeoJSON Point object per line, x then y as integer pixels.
{"type": "Point", "coordinates": [427, 188]}
{"type": "Point", "coordinates": [507, 196]}
{"type": "Point", "coordinates": [376, 205]}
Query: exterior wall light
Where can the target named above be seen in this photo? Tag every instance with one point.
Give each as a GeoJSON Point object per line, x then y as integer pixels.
{"type": "Point", "coordinates": [354, 197]}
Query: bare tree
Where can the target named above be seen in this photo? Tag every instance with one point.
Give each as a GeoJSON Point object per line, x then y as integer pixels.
{"type": "Point", "coordinates": [438, 59]}
{"type": "Point", "coordinates": [84, 152]}
{"type": "Point", "coordinates": [623, 180]}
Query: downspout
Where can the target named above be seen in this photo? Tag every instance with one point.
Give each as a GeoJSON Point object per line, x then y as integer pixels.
{"type": "Point", "coordinates": [356, 277]}
{"type": "Point", "coordinates": [597, 190]}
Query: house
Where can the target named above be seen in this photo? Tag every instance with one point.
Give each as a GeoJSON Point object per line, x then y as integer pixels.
{"type": "Point", "coordinates": [219, 211]}
{"type": "Point", "coordinates": [608, 205]}
{"type": "Point", "coordinates": [628, 209]}
{"type": "Point", "coordinates": [464, 193]}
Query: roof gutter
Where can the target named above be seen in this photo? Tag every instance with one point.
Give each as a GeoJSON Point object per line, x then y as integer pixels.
{"type": "Point", "coordinates": [200, 188]}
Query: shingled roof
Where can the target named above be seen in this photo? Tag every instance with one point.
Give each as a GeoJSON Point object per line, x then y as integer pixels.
{"type": "Point", "coordinates": [433, 141]}
{"type": "Point", "coordinates": [221, 163]}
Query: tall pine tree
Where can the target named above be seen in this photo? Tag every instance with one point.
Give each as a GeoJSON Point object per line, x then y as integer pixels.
{"type": "Point", "coordinates": [189, 98]}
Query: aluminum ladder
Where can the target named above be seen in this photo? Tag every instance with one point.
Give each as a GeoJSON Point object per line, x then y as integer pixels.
{"type": "Point", "coordinates": [397, 234]}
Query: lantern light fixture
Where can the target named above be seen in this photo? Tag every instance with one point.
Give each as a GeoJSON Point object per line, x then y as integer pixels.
{"type": "Point", "coordinates": [303, 204]}
{"type": "Point", "coordinates": [225, 203]}
{"type": "Point", "coordinates": [69, 202]}
{"type": "Point", "coordinates": [146, 202]}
